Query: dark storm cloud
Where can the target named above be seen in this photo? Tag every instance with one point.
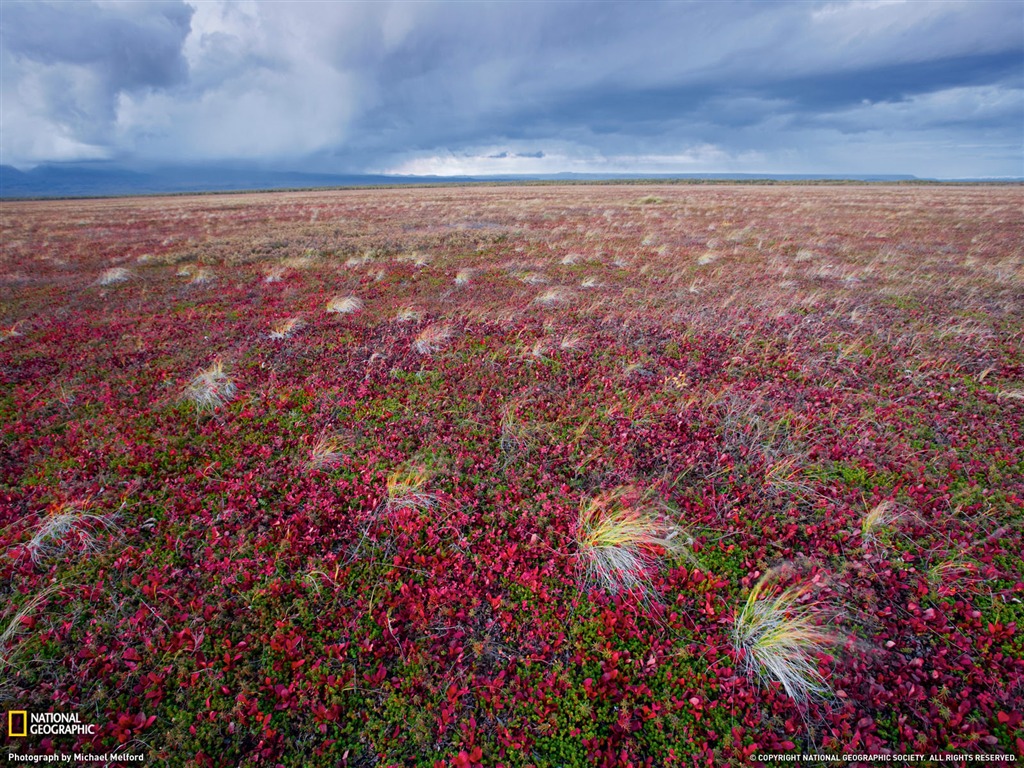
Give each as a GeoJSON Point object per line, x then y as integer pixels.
{"type": "Point", "coordinates": [133, 45]}
{"type": "Point", "coordinates": [663, 79]}
{"type": "Point", "coordinates": [507, 87]}
{"type": "Point", "coordinates": [65, 66]}
{"type": "Point", "coordinates": [812, 93]}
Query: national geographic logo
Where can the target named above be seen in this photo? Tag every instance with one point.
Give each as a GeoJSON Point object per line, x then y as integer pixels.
{"type": "Point", "coordinates": [17, 723]}
{"type": "Point", "coordinates": [21, 723]}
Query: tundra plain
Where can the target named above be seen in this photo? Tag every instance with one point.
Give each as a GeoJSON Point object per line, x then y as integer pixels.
{"type": "Point", "coordinates": [581, 475]}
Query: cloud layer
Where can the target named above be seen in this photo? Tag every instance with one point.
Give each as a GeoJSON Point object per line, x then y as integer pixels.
{"type": "Point", "coordinates": [930, 88]}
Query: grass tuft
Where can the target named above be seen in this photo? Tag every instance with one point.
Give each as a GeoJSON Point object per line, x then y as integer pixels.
{"type": "Point", "coordinates": [572, 342]}
{"type": "Point", "coordinates": [114, 275]}
{"type": "Point", "coordinates": [519, 437]}
{"type": "Point", "coordinates": [1012, 393]}
{"type": "Point", "coordinates": [552, 296]}
{"type": "Point", "coordinates": [66, 525]}
{"type": "Point", "coordinates": [19, 621]}
{"type": "Point", "coordinates": [780, 635]}
{"type": "Point", "coordinates": [883, 515]}
{"type": "Point", "coordinates": [532, 278]}
{"type": "Point", "coordinates": [210, 388]}
{"type": "Point", "coordinates": [275, 274]}
{"type": "Point", "coordinates": [405, 488]}
{"type": "Point", "coordinates": [431, 339]}
{"type": "Point", "coordinates": [326, 452]}
{"type": "Point", "coordinates": [10, 333]}
{"type": "Point", "coordinates": [202, 276]}
{"type": "Point", "coordinates": [344, 305]}
{"type": "Point", "coordinates": [621, 535]}
{"type": "Point", "coordinates": [283, 329]}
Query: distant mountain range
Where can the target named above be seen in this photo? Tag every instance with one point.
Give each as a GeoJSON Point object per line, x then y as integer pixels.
{"type": "Point", "coordinates": [93, 180]}
{"type": "Point", "coordinates": [104, 179]}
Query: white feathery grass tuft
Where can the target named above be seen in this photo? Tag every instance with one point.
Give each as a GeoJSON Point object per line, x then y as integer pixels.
{"type": "Point", "coordinates": [202, 276]}
{"type": "Point", "coordinates": [780, 635]}
{"type": "Point", "coordinates": [431, 339]}
{"type": "Point", "coordinates": [408, 315]}
{"type": "Point", "coordinates": [589, 282]}
{"type": "Point", "coordinates": [621, 535]}
{"type": "Point", "coordinates": [462, 277]}
{"type": "Point", "coordinates": [114, 275]}
{"type": "Point", "coordinates": [283, 329]}
{"type": "Point", "coordinates": [344, 305]}
{"type": "Point", "coordinates": [552, 296]}
{"type": "Point", "coordinates": [210, 388]}
{"type": "Point", "coordinates": [63, 526]}
{"type": "Point", "coordinates": [275, 274]}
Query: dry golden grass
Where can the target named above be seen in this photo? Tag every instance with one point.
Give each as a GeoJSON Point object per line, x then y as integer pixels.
{"type": "Point", "coordinates": [15, 625]}
{"type": "Point", "coordinates": [880, 517]}
{"type": "Point", "coordinates": [552, 297]}
{"type": "Point", "coordinates": [532, 278]}
{"type": "Point", "coordinates": [66, 525]}
{"type": "Point", "coordinates": [210, 389]}
{"type": "Point", "coordinates": [201, 276]}
{"type": "Point", "coordinates": [431, 339]}
{"type": "Point", "coordinates": [283, 329]}
{"type": "Point", "coordinates": [326, 452]}
{"type": "Point", "coordinates": [114, 275]}
{"type": "Point", "coordinates": [405, 487]}
{"type": "Point", "coordinates": [780, 635]}
{"type": "Point", "coordinates": [408, 315]}
{"type": "Point", "coordinates": [10, 333]}
{"type": "Point", "coordinates": [620, 537]}
{"type": "Point", "coordinates": [344, 305]}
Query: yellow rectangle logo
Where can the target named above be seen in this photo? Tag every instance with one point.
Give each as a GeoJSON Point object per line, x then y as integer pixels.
{"type": "Point", "coordinates": [17, 722]}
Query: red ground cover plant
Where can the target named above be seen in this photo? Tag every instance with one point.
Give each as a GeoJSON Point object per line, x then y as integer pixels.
{"type": "Point", "coordinates": [357, 540]}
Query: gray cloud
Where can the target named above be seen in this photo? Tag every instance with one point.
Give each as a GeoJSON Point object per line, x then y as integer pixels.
{"type": "Point", "coordinates": [132, 45]}
{"type": "Point", "coordinates": [507, 87]}
{"type": "Point", "coordinates": [66, 65]}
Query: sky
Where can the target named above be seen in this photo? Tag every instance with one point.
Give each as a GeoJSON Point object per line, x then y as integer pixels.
{"type": "Point", "coordinates": [924, 87]}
